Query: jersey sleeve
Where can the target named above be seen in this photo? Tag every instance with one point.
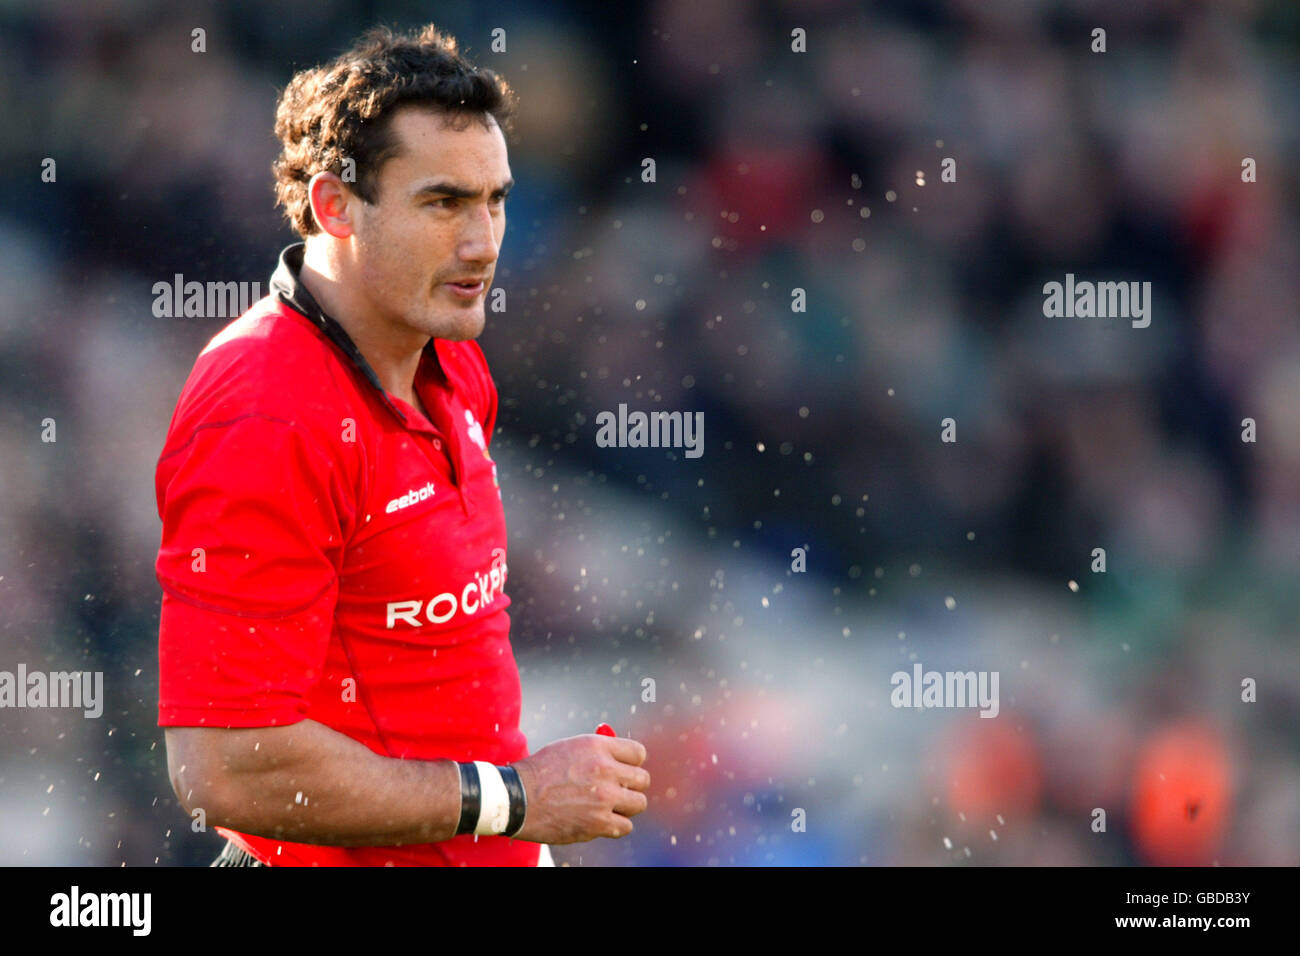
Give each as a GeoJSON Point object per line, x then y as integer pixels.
{"type": "Point", "coordinates": [254, 518]}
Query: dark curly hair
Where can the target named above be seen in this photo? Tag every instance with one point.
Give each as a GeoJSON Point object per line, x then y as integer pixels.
{"type": "Point", "coordinates": [341, 110]}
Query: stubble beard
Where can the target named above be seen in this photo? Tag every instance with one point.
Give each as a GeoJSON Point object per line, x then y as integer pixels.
{"type": "Point", "coordinates": [454, 321]}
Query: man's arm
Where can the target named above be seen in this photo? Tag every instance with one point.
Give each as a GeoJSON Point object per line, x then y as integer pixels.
{"type": "Point", "coordinates": [307, 783]}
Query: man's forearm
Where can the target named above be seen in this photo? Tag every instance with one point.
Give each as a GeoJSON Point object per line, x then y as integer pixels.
{"type": "Point", "coordinates": [307, 783]}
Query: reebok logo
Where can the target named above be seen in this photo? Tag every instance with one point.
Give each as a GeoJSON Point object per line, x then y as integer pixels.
{"type": "Point", "coordinates": [414, 496]}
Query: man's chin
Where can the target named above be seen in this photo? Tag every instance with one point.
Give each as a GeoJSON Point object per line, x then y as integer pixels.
{"type": "Point", "coordinates": [460, 328]}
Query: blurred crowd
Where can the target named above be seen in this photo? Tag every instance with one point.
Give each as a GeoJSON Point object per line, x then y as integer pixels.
{"type": "Point", "coordinates": [774, 171]}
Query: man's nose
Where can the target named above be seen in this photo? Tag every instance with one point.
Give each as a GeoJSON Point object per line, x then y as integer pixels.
{"type": "Point", "coordinates": [479, 240]}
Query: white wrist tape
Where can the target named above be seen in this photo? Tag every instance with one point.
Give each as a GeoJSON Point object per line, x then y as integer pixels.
{"type": "Point", "coordinates": [494, 806]}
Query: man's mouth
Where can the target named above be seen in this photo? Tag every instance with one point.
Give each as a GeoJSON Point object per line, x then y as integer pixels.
{"type": "Point", "coordinates": [466, 288]}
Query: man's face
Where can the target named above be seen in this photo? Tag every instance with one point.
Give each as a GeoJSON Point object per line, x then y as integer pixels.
{"type": "Point", "coordinates": [426, 250]}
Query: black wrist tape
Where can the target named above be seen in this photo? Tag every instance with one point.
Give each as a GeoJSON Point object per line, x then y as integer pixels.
{"type": "Point", "coordinates": [470, 798]}
{"type": "Point", "coordinates": [518, 799]}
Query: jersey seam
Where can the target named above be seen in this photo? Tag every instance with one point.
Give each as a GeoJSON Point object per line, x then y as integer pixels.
{"type": "Point", "coordinates": [222, 424]}
{"type": "Point", "coordinates": [172, 590]}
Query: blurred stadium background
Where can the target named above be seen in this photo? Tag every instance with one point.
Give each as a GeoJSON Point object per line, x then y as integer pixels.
{"type": "Point", "coordinates": [821, 429]}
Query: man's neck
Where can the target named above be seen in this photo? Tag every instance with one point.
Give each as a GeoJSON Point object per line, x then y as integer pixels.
{"type": "Point", "coordinates": [394, 354]}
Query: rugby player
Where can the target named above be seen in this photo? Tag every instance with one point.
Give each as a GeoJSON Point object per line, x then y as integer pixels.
{"type": "Point", "coordinates": [337, 684]}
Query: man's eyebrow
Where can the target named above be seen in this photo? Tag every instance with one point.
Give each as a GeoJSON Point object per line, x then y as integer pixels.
{"type": "Point", "coordinates": [459, 192]}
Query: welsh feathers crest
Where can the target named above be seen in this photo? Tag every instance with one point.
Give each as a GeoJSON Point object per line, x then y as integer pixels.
{"type": "Point", "coordinates": [475, 432]}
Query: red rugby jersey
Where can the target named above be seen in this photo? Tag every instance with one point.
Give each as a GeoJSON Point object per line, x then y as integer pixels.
{"type": "Point", "coordinates": [329, 553]}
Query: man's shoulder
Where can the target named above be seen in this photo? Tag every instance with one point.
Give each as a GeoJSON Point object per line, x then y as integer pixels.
{"type": "Point", "coordinates": [269, 337]}
{"type": "Point", "coordinates": [271, 362]}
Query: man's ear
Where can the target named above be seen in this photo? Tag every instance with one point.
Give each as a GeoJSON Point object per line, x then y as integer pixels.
{"type": "Point", "coordinates": [331, 204]}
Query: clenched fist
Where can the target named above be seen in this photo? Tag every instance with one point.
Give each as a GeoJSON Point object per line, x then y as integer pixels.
{"type": "Point", "coordinates": [580, 788]}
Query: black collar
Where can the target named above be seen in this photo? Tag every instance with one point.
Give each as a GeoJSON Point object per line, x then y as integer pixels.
{"type": "Point", "coordinates": [287, 286]}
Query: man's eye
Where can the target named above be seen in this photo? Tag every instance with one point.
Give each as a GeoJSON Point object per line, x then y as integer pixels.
{"type": "Point", "coordinates": [447, 202]}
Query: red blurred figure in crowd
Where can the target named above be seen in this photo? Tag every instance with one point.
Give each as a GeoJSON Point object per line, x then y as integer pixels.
{"type": "Point", "coordinates": [1182, 795]}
